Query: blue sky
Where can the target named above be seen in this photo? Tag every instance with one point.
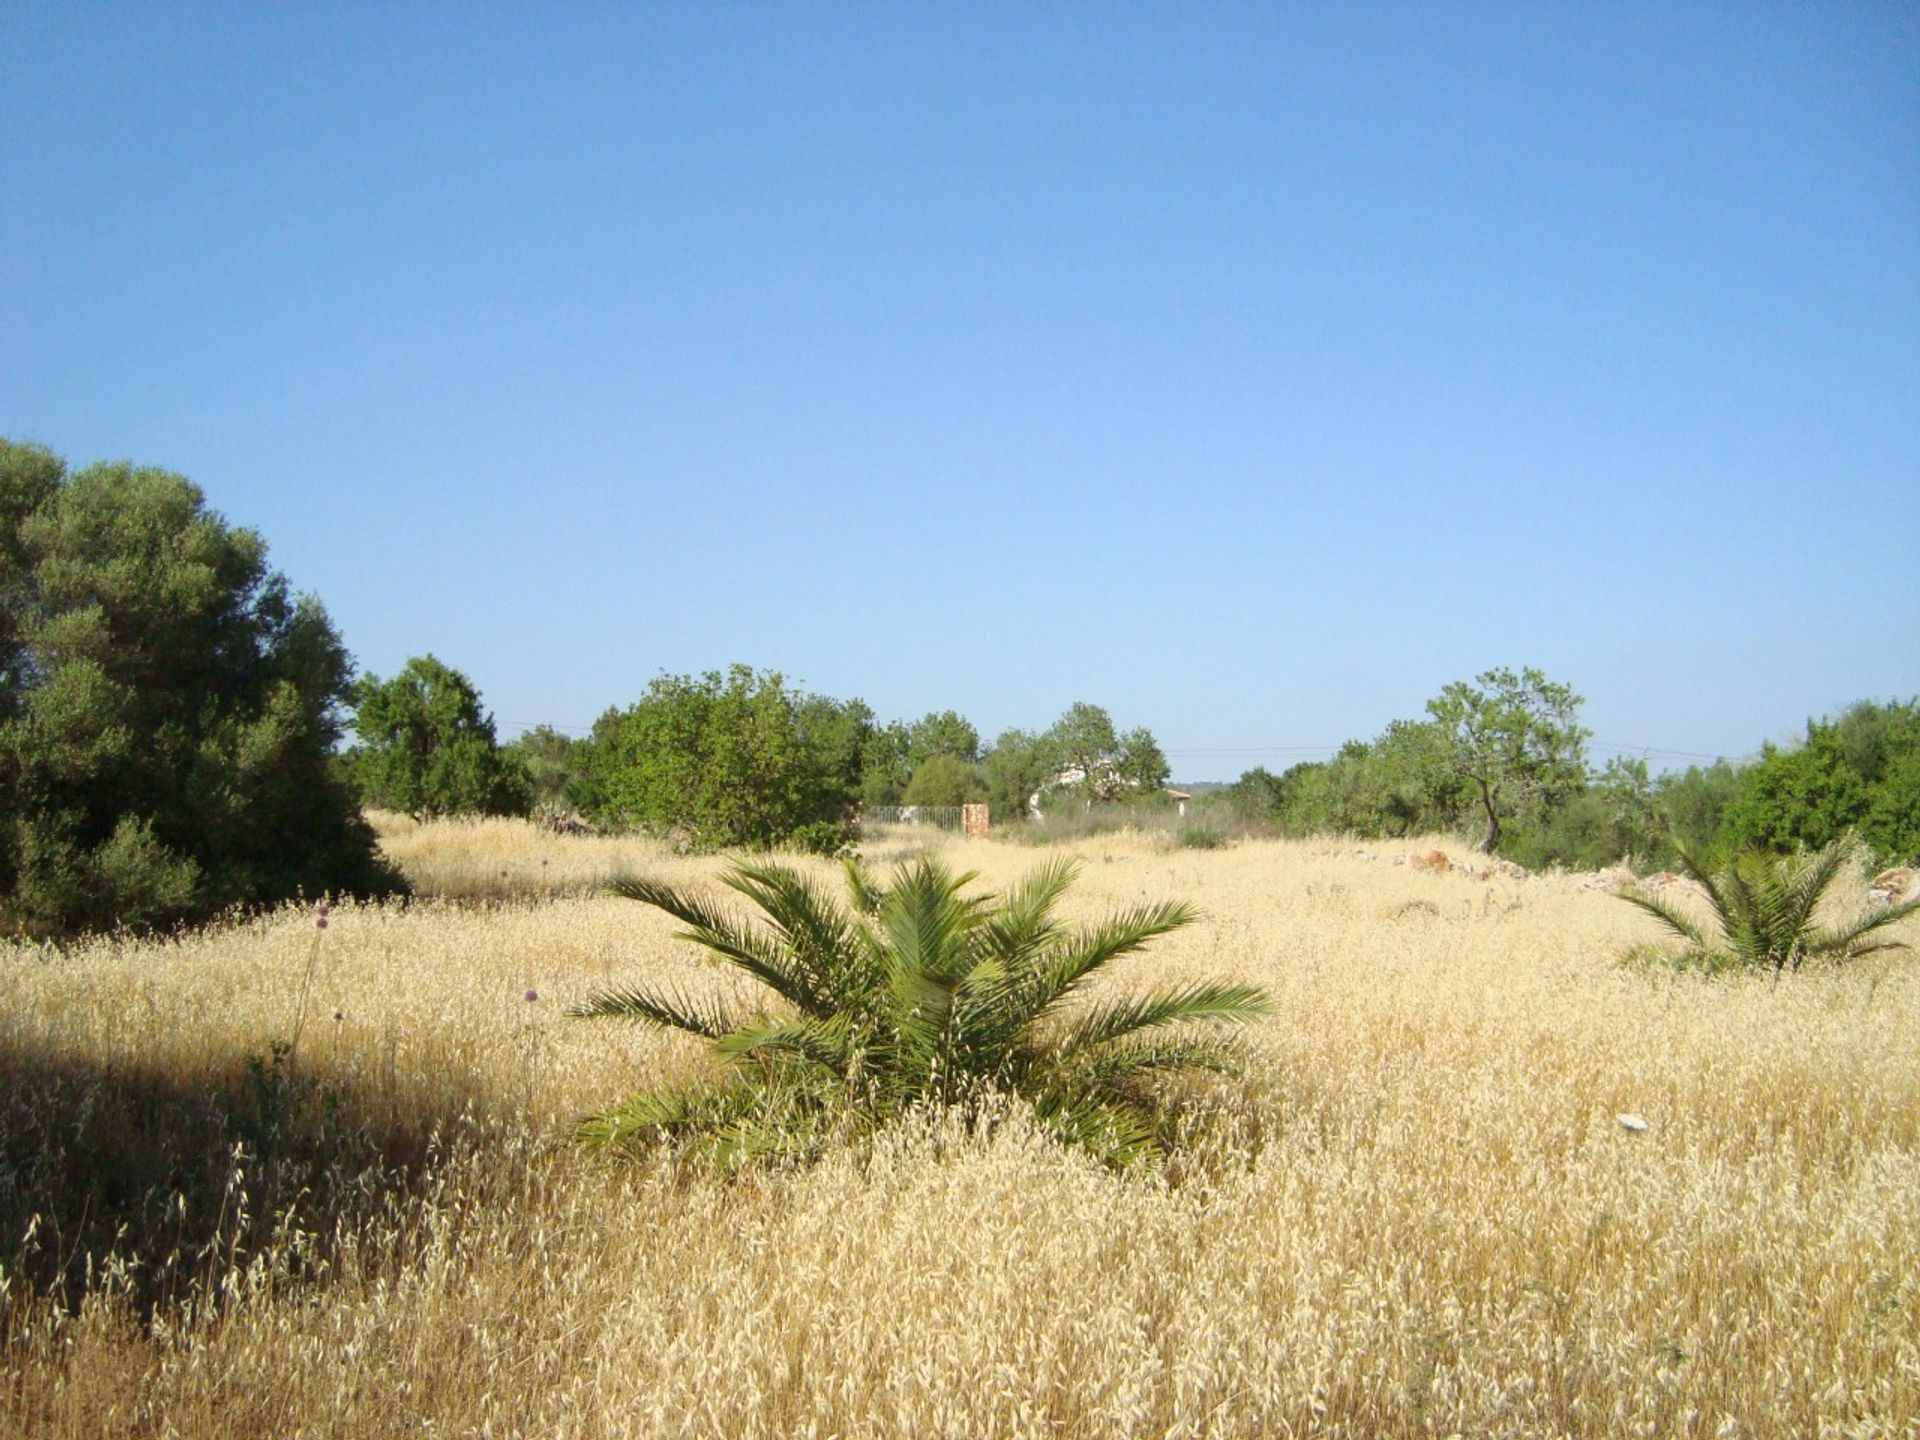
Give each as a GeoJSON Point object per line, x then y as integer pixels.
{"type": "Point", "coordinates": [1251, 371]}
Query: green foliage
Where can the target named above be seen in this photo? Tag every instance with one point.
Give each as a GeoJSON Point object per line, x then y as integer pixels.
{"type": "Point", "coordinates": [1399, 784]}
{"type": "Point", "coordinates": [946, 780]}
{"type": "Point", "coordinates": [1017, 766]}
{"type": "Point", "coordinates": [1693, 806]}
{"type": "Point", "coordinates": [1763, 908]}
{"type": "Point", "coordinates": [427, 749]}
{"type": "Point", "coordinates": [886, 765]}
{"type": "Point", "coordinates": [915, 994]}
{"type": "Point", "coordinates": [738, 759]}
{"type": "Point", "coordinates": [1102, 765]}
{"type": "Point", "coordinates": [1201, 837]}
{"type": "Point", "coordinates": [1514, 740]}
{"type": "Point", "coordinates": [1615, 815]}
{"type": "Point", "coordinates": [947, 734]}
{"type": "Point", "coordinates": [1861, 772]}
{"type": "Point", "coordinates": [555, 766]}
{"type": "Point", "coordinates": [168, 710]}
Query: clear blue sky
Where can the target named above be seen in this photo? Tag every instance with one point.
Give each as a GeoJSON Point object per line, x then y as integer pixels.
{"type": "Point", "coordinates": [1252, 371]}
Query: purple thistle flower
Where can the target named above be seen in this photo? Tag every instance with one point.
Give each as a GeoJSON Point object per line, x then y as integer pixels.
{"type": "Point", "coordinates": [319, 922]}
{"type": "Point", "coordinates": [532, 995]}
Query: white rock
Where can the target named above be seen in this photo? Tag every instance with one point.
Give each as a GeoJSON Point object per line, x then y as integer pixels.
{"type": "Point", "coordinates": [1635, 1123]}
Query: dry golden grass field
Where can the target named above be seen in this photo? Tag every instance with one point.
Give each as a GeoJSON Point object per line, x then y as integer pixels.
{"type": "Point", "coordinates": [1415, 1214]}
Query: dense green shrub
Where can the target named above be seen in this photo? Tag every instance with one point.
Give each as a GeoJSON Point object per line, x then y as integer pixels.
{"type": "Point", "coordinates": [1615, 816]}
{"type": "Point", "coordinates": [168, 710]}
{"type": "Point", "coordinates": [555, 766]}
{"type": "Point", "coordinates": [946, 780]}
{"type": "Point", "coordinates": [916, 995]}
{"type": "Point", "coordinates": [427, 749]}
{"type": "Point", "coordinates": [1859, 772]}
{"type": "Point", "coordinates": [738, 759]}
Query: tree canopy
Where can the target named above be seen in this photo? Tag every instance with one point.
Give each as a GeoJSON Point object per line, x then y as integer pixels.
{"type": "Point", "coordinates": [1514, 738]}
{"type": "Point", "coordinates": [427, 749]}
{"type": "Point", "coordinates": [733, 759]}
{"type": "Point", "coordinates": [168, 710]}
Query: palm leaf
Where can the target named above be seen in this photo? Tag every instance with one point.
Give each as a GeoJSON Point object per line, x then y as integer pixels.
{"type": "Point", "coordinates": [1810, 882]}
{"type": "Point", "coordinates": [1845, 942]}
{"type": "Point", "coordinates": [1665, 914]}
{"type": "Point", "coordinates": [1071, 964]}
{"type": "Point", "coordinates": [826, 1043]}
{"type": "Point", "coordinates": [652, 1112]}
{"type": "Point", "coordinates": [866, 893]}
{"type": "Point", "coordinates": [1707, 882]}
{"type": "Point", "coordinates": [1024, 924]}
{"type": "Point", "coordinates": [816, 933]}
{"type": "Point", "coordinates": [926, 920]}
{"type": "Point", "coordinates": [715, 930]}
{"type": "Point", "coordinates": [676, 1012]}
{"type": "Point", "coordinates": [1116, 1019]}
{"type": "Point", "coordinates": [1112, 1129]}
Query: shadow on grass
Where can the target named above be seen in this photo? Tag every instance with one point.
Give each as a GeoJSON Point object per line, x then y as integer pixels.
{"type": "Point", "coordinates": [162, 1189]}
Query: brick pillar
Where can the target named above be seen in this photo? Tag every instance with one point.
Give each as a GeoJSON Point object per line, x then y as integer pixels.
{"type": "Point", "coordinates": [973, 820]}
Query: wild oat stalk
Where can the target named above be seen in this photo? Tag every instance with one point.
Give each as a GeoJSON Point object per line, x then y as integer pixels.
{"type": "Point", "coordinates": [916, 995]}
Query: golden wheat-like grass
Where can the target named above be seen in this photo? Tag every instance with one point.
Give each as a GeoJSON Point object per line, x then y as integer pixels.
{"type": "Point", "coordinates": [1415, 1214]}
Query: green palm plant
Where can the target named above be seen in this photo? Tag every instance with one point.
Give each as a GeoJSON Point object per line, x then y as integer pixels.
{"type": "Point", "coordinates": [915, 995]}
{"type": "Point", "coordinates": [1764, 907]}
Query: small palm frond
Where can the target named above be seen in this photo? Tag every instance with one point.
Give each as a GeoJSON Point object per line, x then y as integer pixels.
{"type": "Point", "coordinates": [1024, 924]}
{"type": "Point", "coordinates": [1074, 962]}
{"type": "Point", "coordinates": [1845, 943]}
{"type": "Point", "coordinates": [1109, 1128]}
{"type": "Point", "coordinates": [816, 933]}
{"type": "Point", "coordinates": [676, 1012]}
{"type": "Point", "coordinates": [830, 1044]}
{"type": "Point", "coordinates": [1117, 1019]}
{"type": "Point", "coordinates": [1666, 914]}
{"type": "Point", "coordinates": [715, 930]}
{"type": "Point", "coordinates": [866, 892]}
{"type": "Point", "coordinates": [1704, 878]}
{"type": "Point", "coordinates": [1117, 1064]}
{"type": "Point", "coordinates": [651, 1114]}
{"type": "Point", "coordinates": [926, 921]}
{"type": "Point", "coordinates": [1808, 880]}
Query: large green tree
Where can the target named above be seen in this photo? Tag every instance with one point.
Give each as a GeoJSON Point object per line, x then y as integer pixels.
{"type": "Point", "coordinates": [1095, 762]}
{"type": "Point", "coordinates": [733, 759]}
{"type": "Point", "coordinates": [428, 749]}
{"type": "Point", "coordinates": [168, 710]}
{"type": "Point", "coordinates": [1514, 739]}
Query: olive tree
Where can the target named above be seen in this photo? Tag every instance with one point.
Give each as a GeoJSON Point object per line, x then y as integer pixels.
{"type": "Point", "coordinates": [1514, 740]}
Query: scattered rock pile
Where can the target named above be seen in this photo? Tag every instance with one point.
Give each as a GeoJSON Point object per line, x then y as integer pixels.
{"type": "Point", "coordinates": [1896, 886]}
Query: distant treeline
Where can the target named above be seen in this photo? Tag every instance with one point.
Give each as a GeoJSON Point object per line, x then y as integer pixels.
{"type": "Point", "coordinates": [171, 715]}
{"type": "Point", "coordinates": [741, 758]}
{"type": "Point", "coordinates": [1856, 772]}
{"type": "Point", "coordinates": [726, 758]}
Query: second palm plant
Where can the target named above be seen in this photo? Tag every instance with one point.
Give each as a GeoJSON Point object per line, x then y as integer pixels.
{"type": "Point", "coordinates": [911, 994]}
